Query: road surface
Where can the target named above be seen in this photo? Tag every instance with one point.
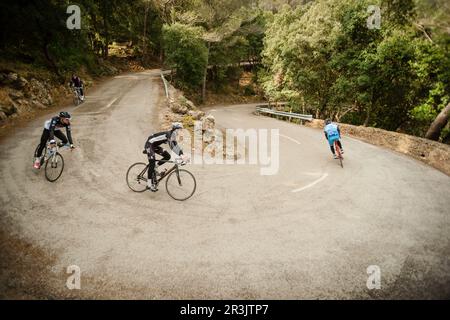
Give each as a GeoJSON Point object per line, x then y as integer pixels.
{"type": "Point", "coordinates": [309, 231]}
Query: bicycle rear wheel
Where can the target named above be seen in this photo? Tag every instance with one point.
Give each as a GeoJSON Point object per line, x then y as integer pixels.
{"type": "Point", "coordinates": [136, 179]}
{"type": "Point", "coordinates": [181, 184]}
{"type": "Point", "coordinates": [54, 167]}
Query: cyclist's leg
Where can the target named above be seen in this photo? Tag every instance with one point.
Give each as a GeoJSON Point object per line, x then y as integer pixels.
{"type": "Point", "coordinates": [61, 136]}
{"type": "Point", "coordinates": [164, 154]}
{"type": "Point", "coordinates": [151, 168]}
{"type": "Point", "coordinates": [339, 143]}
{"type": "Point", "coordinates": [331, 143]}
{"type": "Point", "coordinates": [44, 137]}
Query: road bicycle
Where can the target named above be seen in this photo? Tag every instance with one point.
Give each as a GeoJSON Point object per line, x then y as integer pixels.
{"type": "Point", "coordinates": [77, 97]}
{"type": "Point", "coordinates": [52, 161]}
{"type": "Point", "coordinates": [180, 183]}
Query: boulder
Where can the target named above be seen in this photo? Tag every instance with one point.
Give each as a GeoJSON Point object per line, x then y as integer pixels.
{"type": "Point", "coordinates": [190, 105]}
{"type": "Point", "coordinates": [177, 108]}
{"type": "Point", "coordinates": [37, 105]}
{"type": "Point", "coordinates": [15, 95]}
{"type": "Point", "coordinates": [11, 77]}
{"type": "Point", "coordinates": [209, 136]}
{"type": "Point", "coordinates": [196, 115]}
{"type": "Point", "coordinates": [8, 109]}
{"type": "Point", "coordinates": [21, 82]}
{"type": "Point", "coordinates": [208, 122]}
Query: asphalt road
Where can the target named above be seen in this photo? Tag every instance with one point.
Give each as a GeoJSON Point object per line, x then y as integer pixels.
{"type": "Point", "coordinates": [309, 231]}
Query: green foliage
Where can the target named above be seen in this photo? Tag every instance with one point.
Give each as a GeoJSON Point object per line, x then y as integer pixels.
{"type": "Point", "coordinates": [322, 53]}
{"type": "Point", "coordinates": [186, 52]}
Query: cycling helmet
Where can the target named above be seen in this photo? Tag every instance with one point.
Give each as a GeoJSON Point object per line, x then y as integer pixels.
{"type": "Point", "coordinates": [327, 122]}
{"type": "Point", "coordinates": [177, 125]}
{"type": "Point", "coordinates": [65, 114]}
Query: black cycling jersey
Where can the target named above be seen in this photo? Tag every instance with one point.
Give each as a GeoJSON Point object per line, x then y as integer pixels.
{"type": "Point", "coordinates": [76, 81]}
{"type": "Point", "coordinates": [159, 138]}
{"type": "Point", "coordinates": [56, 124]}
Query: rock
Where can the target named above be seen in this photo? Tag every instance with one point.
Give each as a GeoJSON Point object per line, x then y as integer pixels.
{"type": "Point", "coordinates": [37, 105]}
{"type": "Point", "coordinates": [190, 105]}
{"type": "Point", "coordinates": [11, 78]}
{"type": "Point", "coordinates": [16, 95]}
{"type": "Point", "coordinates": [21, 82]}
{"type": "Point", "coordinates": [208, 122]}
{"type": "Point", "coordinates": [22, 106]}
{"type": "Point", "coordinates": [177, 108]}
{"type": "Point", "coordinates": [8, 109]}
{"type": "Point", "coordinates": [3, 116]}
{"type": "Point", "coordinates": [196, 115]}
{"type": "Point", "coordinates": [209, 136]}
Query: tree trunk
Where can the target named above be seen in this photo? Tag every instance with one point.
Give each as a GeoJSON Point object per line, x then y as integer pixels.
{"type": "Point", "coordinates": [106, 31]}
{"type": "Point", "coordinates": [205, 76]}
{"type": "Point", "coordinates": [434, 132]}
{"type": "Point", "coordinates": [51, 61]}
{"type": "Point", "coordinates": [366, 121]}
{"type": "Point", "coordinates": [144, 45]}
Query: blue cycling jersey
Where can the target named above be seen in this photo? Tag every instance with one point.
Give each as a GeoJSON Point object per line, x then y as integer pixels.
{"type": "Point", "coordinates": [332, 132]}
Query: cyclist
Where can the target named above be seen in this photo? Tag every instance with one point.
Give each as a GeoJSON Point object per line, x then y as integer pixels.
{"type": "Point", "coordinates": [52, 128]}
{"type": "Point", "coordinates": [153, 147]}
{"type": "Point", "coordinates": [77, 83]}
{"type": "Point", "coordinates": [333, 133]}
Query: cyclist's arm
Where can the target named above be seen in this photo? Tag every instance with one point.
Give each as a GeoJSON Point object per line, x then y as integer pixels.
{"type": "Point", "coordinates": [176, 148]}
{"type": "Point", "coordinates": [51, 129]}
{"type": "Point", "coordinates": [339, 131]}
{"type": "Point", "coordinates": [69, 135]}
{"type": "Point", "coordinates": [326, 135]}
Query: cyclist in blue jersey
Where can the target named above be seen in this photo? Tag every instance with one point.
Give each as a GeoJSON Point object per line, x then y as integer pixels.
{"type": "Point", "coordinates": [333, 133]}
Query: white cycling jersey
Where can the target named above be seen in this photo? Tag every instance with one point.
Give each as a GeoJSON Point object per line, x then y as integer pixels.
{"type": "Point", "coordinates": [48, 123]}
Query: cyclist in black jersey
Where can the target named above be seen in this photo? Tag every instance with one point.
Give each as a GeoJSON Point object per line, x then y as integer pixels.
{"type": "Point", "coordinates": [153, 147]}
{"type": "Point", "coordinates": [77, 83]}
{"type": "Point", "coordinates": [52, 128]}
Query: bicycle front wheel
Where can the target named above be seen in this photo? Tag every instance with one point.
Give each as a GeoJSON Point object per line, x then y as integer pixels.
{"type": "Point", "coordinates": [181, 184]}
{"type": "Point", "coordinates": [54, 167]}
{"type": "Point", "coordinates": [136, 177]}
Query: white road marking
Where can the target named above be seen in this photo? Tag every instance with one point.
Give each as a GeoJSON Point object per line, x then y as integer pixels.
{"type": "Point", "coordinates": [323, 177]}
{"type": "Point", "coordinates": [289, 138]}
{"type": "Point", "coordinates": [126, 77]}
{"type": "Point", "coordinates": [109, 104]}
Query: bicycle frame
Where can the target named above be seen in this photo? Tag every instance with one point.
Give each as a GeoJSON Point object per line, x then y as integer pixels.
{"type": "Point", "coordinates": [174, 168]}
{"type": "Point", "coordinates": [51, 153]}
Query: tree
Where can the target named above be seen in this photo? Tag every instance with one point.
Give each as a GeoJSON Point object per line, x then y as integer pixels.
{"type": "Point", "coordinates": [434, 132]}
{"type": "Point", "coordinates": [186, 52]}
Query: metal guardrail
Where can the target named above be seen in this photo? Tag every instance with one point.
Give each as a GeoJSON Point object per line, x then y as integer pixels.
{"type": "Point", "coordinates": [165, 84]}
{"type": "Point", "coordinates": [306, 117]}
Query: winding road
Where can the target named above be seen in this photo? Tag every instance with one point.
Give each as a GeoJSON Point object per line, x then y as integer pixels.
{"type": "Point", "coordinates": [309, 231]}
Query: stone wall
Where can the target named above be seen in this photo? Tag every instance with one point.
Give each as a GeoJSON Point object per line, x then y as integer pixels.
{"type": "Point", "coordinates": [431, 152]}
{"type": "Point", "coordinates": [19, 95]}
